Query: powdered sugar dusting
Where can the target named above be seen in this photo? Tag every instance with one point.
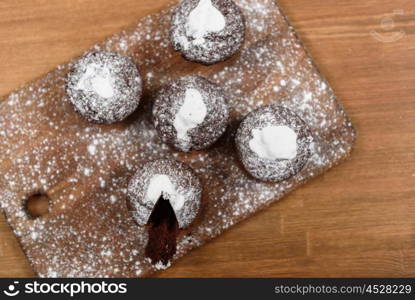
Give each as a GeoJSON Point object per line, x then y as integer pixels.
{"type": "Point", "coordinates": [46, 147]}
{"type": "Point", "coordinates": [98, 80]}
{"type": "Point", "coordinates": [203, 19]}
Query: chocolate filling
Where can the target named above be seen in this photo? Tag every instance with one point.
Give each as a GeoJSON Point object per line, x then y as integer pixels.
{"type": "Point", "coordinates": [163, 229]}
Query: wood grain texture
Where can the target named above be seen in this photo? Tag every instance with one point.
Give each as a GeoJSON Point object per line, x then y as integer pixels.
{"type": "Point", "coordinates": [356, 220]}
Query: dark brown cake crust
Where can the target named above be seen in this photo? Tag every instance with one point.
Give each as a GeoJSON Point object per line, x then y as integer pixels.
{"type": "Point", "coordinates": [279, 169]}
{"type": "Point", "coordinates": [126, 89]}
{"type": "Point", "coordinates": [168, 102]}
{"type": "Point", "coordinates": [217, 46]}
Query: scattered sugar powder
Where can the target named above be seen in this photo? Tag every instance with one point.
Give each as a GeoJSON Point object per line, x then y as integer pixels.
{"type": "Point", "coordinates": [160, 266]}
{"type": "Point", "coordinates": [92, 149]}
{"type": "Point", "coordinates": [87, 172]}
{"type": "Point", "coordinates": [113, 199]}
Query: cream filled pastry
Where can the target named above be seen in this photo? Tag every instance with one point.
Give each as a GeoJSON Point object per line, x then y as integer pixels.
{"type": "Point", "coordinates": [273, 143]}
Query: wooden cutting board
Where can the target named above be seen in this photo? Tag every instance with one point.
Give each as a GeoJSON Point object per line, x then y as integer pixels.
{"type": "Point", "coordinates": [84, 168]}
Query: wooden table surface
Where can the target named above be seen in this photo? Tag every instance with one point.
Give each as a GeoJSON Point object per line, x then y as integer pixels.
{"type": "Point", "coordinates": [356, 220]}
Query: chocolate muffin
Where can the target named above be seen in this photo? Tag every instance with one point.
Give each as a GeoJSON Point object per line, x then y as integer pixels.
{"type": "Point", "coordinates": [273, 143]}
{"type": "Point", "coordinates": [104, 87]}
{"type": "Point", "coordinates": [207, 31]}
{"type": "Point", "coordinates": [190, 113]}
{"type": "Point", "coordinates": [165, 195]}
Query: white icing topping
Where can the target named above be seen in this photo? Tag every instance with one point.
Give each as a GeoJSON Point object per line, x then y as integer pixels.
{"type": "Point", "coordinates": [205, 18]}
{"type": "Point", "coordinates": [191, 114]}
{"type": "Point", "coordinates": [161, 185]}
{"type": "Point", "coordinates": [97, 79]}
{"type": "Point", "coordinates": [274, 142]}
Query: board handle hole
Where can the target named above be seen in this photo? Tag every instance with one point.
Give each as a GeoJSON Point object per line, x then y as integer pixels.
{"type": "Point", "coordinates": [37, 205]}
